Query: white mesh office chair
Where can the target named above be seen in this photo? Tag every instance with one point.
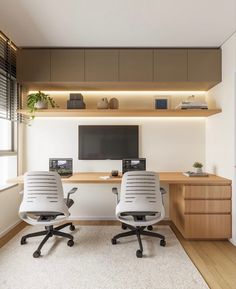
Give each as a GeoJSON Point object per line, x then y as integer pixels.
{"type": "Point", "coordinates": [139, 206]}
{"type": "Point", "coordinates": [44, 204]}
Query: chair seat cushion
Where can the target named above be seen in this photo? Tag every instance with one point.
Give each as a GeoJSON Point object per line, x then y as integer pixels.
{"type": "Point", "coordinates": [50, 216]}
{"type": "Point", "coordinates": [134, 213]}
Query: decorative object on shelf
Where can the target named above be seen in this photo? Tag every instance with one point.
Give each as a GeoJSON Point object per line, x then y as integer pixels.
{"type": "Point", "coordinates": [114, 103]}
{"type": "Point", "coordinates": [198, 166]}
{"type": "Point", "coordinates": [192, 103]}
{"type": "Point", "coordinates": [39, 100]}
{"type": "Point", "coordinates": [103, 103]}
{"type": "Point", "coordinates": [76, 101]}
{"type": "Point", "coordinates": [162, 102]}
{"type": "Point", "coordinates": [115, 173]}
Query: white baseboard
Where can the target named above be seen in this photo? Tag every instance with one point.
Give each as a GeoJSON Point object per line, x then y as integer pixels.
{"type": "Point", "coordinates": [232, 241]}
{"type": "Point", "coordinates": [92, 218]}
{"type": "Point", "coordinates": [8, 229]}
{"type": "Point", "coordinates": [98, 218]}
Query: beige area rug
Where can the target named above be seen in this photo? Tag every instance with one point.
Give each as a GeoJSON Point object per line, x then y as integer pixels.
{"type": "Point", "coordinates": [94, 263]}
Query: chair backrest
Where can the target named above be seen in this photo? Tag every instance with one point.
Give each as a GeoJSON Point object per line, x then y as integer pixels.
{"type": "Point", "coordinates": [140, 192]}
{"type": "Point", "coordinates": [43, 194]}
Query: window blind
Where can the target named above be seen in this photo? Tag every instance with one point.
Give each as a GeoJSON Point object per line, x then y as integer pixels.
{"type": "Point", "coordinates": [9, 100]}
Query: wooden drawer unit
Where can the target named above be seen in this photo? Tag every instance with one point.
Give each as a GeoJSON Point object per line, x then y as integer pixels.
{"type": "Point", "coordinates": [207, 192]}
{"type": "Point", "coordinates": [204, 226]}
{"type": "Point", "coordinates": [207, 206]}
{"type": "Point", "coordinates": [201, 211]}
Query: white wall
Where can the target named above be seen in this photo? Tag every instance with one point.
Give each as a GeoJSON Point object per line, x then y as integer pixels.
{"type": "Point", "coordinates": [220, 129]}
{"type": "Point", "coordinates": [169, 144]}
{"type": "Point", "coordinates": [9, 206]}
{"type": "Point", "coordinates": [10, 198]}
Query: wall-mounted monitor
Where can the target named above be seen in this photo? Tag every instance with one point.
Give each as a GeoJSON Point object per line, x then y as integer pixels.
{"type": "Point", "coordinates": [114, 142]}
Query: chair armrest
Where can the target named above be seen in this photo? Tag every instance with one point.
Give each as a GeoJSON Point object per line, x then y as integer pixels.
{"type": "Point", "coordinates": [72, 191]}
{"type": "Point", "coordinates": [115, 191]}
{"type": "Point", "coordinates": [163, 191]}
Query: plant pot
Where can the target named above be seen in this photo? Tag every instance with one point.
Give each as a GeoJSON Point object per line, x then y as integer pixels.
{"type": "Point", "coordinates": [41, 105]}
{"type": "Point", "coordinates": [199, 170]}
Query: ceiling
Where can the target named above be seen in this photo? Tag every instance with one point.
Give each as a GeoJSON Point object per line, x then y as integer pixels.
{"type": "Point", "coordinates": [118, 23]}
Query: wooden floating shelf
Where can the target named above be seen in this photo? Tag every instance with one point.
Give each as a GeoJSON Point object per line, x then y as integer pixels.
{"type": "Point", "coordinates": [121, 113]}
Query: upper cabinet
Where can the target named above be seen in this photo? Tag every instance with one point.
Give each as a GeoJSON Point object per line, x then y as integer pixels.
{"type": "Point", "coordinates": [171, 65]}
{"type": "Point", "coordinates": [136, 65]}
{"type": "Point", "coordinates": [33, 65]}
{"type": "Point", "coordinates": [204, 65]}
{"type": "Point", "coordinates": [101, 64]}
{"type": "Point", "coordinates": [117, 69]}
{"type": "Point", "coordinates": [67, 65]}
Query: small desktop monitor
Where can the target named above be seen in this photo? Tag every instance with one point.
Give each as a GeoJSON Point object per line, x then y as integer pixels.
{"type": "Point", "coordinates": [133, 165]}
{"type": "Point", "coordinates": [63, 166]}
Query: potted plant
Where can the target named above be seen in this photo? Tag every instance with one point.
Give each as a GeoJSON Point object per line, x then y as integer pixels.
{"type": "Point", "coordinates": [39, 100]}
{"type": "Point", "coordinates": [198, 166]}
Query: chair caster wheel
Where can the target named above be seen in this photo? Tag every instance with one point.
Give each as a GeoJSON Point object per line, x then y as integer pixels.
{"type": "Point", "coordinates": [139, 254]}
{"type": "Point", "coordinates": [23, 241]}
{"type": "Point", "coordinates": [123, 226]}
{"type": "Point", "coordinates": [113, 241]}
{"type": "Point", "coordinates": [72, 227]}
{"type": "Point", "coordinates": [36, 254]}
{"type": "Point", "coordinates": [70, 243]}
{"type": "Point", "coordinates": [150, 228]}
{"type": "Point", "coordinates": [162, 243]}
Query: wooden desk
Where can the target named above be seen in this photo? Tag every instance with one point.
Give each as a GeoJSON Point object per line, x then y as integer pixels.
{"type": "Point", "coordinates": [200, 207]}
{"type": "Point", "coordinates": [165, 177]}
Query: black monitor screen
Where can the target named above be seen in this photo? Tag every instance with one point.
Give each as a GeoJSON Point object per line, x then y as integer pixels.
{"type": "Point", "coordinates": [62, 166]}
{"type": "Point", "coordinates": [115, 142]}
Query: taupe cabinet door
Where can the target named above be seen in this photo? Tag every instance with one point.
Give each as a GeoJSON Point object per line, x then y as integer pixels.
{"type": "Point", "coordinates": [204, 64]}
{"type": "Point", "coordinates": [67, 65]}
{"type": "Point", "coordinates": [33, 65]}
{"type": "Point", "coordinates": [171, 65]}
{"type": "Point", "coordinates": [136, 64]}
{"type": "Point", "coordinates": [101, 65]}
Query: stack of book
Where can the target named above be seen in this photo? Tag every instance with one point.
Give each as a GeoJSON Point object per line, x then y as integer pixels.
{"type": "Point", "coordinates": [76, 101]}
{"type": "Point", "coordinates": [193, 174]}
{"type": "Point", "coordinates": [192, 105]}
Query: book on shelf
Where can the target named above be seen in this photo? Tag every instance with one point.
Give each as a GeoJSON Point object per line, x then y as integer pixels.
{"type": "Point", "coordinates": [193, 174]}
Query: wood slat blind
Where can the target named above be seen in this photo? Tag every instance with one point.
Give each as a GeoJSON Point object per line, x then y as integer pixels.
{"type": "Point", "coordinates": [8, 85]}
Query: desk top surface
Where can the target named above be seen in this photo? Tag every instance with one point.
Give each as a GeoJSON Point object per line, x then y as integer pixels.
{"type": "Point", "coordinates": [165, 177]}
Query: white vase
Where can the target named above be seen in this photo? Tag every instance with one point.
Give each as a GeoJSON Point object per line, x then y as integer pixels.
{"type": "Point", "coordinates": [114, 103]}
{"type": "Point", "coordinates": [41, 105]}
{"type": "Point", "coordinates": [103, 103]}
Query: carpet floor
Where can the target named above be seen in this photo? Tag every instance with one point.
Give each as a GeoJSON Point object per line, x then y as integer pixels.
{"type": "Point", "coordinates": [94, 263]}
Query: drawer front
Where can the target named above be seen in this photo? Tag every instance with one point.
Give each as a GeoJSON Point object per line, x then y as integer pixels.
{"type": "Point", "coordinates": [207, 192]}
{"type": "Point", "coordinates": [208, 206]}
{"type": "Point", "coordinates": [208, 226]}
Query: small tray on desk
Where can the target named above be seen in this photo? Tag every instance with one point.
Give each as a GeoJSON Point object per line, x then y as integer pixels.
{"type": "Point", "coordinates": [193, 174]}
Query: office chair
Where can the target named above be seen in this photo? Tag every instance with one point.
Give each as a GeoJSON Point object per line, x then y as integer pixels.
{"type": "Point", "coordinates": [44, 204]}
{"type": "Point", "coordinates": [139, 206]}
